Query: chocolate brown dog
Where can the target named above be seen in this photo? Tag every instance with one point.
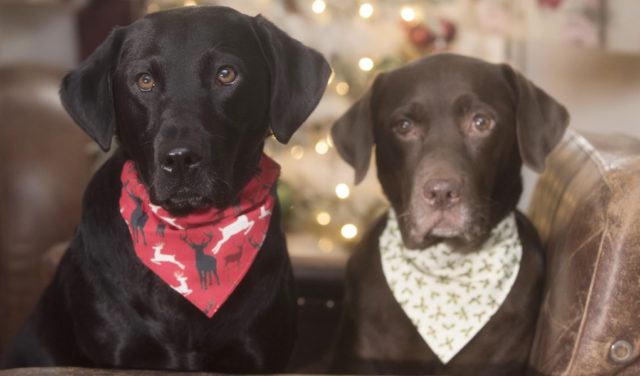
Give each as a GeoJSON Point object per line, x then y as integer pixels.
{"type": "Point", "coordinates": [451, 133]}
{"type": "Point", "coordinates": [191, 95]}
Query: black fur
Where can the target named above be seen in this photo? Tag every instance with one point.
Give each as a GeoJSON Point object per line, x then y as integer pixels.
{"type": "Point", "coordinates": [104, 308]}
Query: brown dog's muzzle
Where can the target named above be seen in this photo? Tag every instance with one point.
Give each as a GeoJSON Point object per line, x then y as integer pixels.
{"type": "Point", "coordinates": [440, 202]}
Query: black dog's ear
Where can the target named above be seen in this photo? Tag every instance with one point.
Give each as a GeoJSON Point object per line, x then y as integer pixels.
{"type": "Point", "coordinates": [86, 91]}
{"type": "Point", "coordinates": [352, 134]}
{"type": "Point", "coordinates": [541, 120]}
{"type": "Point", "coordinates": [299, 76]}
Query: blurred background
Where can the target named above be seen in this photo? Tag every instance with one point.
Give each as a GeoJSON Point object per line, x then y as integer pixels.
{"type": "Point", "coordinates": [585, 53]}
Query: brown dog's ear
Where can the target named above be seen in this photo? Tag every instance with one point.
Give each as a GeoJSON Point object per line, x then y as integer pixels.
{"type": "Point", "coordinates": [352, 134]}
{"type": "Point", "coordinates": [541, 120]}
{"type": "Point", "coordinates": [86, 91]}
{"type": "Point", "coordinates": [299, 76]}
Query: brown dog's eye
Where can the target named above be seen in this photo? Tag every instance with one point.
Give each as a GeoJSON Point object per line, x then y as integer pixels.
{"type": "Point", "coordinates": [146, 82]}
{"type": "Point", "coordinates": [482, 123]}
{"type": "Point", "coordinates": [403, 126]}
{"type": "Point", "coordinates": [226, 75]}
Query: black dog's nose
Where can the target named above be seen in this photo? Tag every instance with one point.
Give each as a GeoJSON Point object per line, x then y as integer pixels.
{"type": "Point", "coordinates": [180, 160]}
{"type": "Point", "coordinates": [442, 194]}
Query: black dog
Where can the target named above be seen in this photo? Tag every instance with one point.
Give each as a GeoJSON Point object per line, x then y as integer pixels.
{"type": "Point", "coordinates": [451, 133]}
{"type": "Point", "coordinates": [191, 94]}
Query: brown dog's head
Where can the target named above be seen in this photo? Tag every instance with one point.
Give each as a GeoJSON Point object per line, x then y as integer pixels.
{"type": "Point", "coordinates": [191, 94]}
{"type": "Point", "coordinates": [451, 133]}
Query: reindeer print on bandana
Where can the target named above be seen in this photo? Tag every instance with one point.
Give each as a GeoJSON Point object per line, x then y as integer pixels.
{"type": "Point", "coordinates": [450, 296]}
{"type": "Point", "coordinates": [201, 256]}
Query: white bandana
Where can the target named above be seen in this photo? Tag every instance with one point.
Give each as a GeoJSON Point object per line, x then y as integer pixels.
{"type": "Point", "coordinates": [450, 296]}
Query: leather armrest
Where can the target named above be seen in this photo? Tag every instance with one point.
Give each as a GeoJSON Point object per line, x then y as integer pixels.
{"type": "Point", "coordinates": [45, 167]}
{"type": "Point", "coordinates": [50, 260]}
{"type": "Point", "coordinates": [586, 208]}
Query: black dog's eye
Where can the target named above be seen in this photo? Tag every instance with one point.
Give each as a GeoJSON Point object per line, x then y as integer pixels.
{"type": "Point", "coordinates": [226, 75]}
{"type": "Point", "coordinates": [146, 82]}
{"type": "Point", "coordinates": [482, 123]}
{"type": "Point", "coordinates": [403, 126]}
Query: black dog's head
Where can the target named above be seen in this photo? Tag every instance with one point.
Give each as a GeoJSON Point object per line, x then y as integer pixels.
{"type": "Point", "coordinates": [191, 94]}
{"type": "Point", "coordinates": [451, 133]}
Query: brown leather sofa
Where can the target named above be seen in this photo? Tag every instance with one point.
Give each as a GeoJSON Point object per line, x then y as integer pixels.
{"type": "Point", "coordinates": [586, 208]}
{"type": "Point", "coordinates": [45, 163]}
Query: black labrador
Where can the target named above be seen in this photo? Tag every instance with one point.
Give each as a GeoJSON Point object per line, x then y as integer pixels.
{"type": "Point", "coordinates": [201, 84]}
{"type": "Point", "coordinates": [451, 133]}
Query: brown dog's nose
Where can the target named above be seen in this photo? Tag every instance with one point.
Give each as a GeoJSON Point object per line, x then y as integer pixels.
{"type": "Point", "coordinates": [442, 194]}
{"type": "Point", "coordinates": [180, 160]}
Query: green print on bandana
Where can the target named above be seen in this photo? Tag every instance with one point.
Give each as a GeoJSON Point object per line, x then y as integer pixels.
{"type": "Point", "coordinates": [449, 296]}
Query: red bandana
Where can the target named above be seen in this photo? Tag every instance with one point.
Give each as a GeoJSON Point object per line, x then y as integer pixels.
{"type": "Point", "coordinates": [205, 255]}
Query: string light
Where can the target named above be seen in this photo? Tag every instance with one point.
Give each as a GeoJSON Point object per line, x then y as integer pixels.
{"type": "Point", "coordinates": [349, 231]}
{"type": "Point", "coordinates": [321, 147]}
{"type": "Point", "coordinates": [297, 152]}
{"type": "Point", "coordinates": [366, 10]}
{"type": "Point", "coordinates": [323, 218]}
{"type": "Point", "coordinates": [331, 77]}
{"type": "Point", "coordinates": [325, 245]}
{"type": "Point", "coordinates": [190, 3]}
{"type": "Point", "coordinates": [407, 13]}
{"type": "Point", "coordinates": [318, 6]}
{"type": "Point", "coordinates": [329, 140]}
{"type": "Point", "coordinates": [342, 191]}
{"type": "Point", "coordinates": [366, 64]}
{"type": "Point", "coordinates": [342, 88]}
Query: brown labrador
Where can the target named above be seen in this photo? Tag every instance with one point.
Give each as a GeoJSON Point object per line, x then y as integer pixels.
{"type": "Point", "coordinates": [451, 133]}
